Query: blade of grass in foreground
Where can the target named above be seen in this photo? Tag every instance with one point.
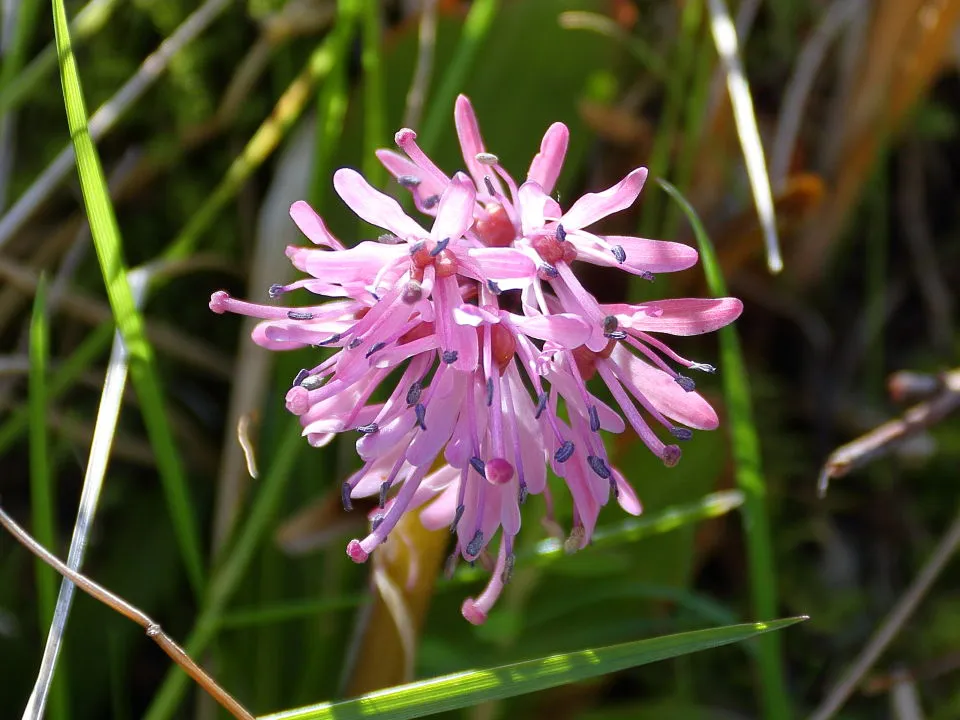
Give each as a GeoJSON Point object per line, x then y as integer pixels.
{"type": "Point", "coordinates": [106, 239]}
{"type": "Point", "coordinates": [749, 475]}
{"type": "Point", "coordinates": [41, 480]}
{"type": "Point", "coordinates": [472, 687]}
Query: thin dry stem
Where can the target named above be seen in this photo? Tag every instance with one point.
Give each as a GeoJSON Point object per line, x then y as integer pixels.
{"type": "Point", "coordinates": [117, 603]}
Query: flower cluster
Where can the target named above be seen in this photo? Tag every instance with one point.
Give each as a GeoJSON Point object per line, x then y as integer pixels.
{"type": "Point", "coordinates": [483, 341]}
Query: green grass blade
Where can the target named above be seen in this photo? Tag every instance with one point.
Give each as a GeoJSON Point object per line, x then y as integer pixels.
{"type": "Point", "coordinates": [475, 30]}
{"type": "Point", "coordinates": [749, 475]}
{"type": "Point", "coordinates": [374, 112]}
{"type": "Point", "coordinates": [106, 240]}
{"type": "Point", "coordinates": [42, 503]}
{"type": "Point", "coordinates": [469, 688]}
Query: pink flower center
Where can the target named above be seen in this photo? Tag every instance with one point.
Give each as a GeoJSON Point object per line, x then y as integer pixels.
{"type": "Point", "coordinates": [496, 230]}
{"type": "Point", "coordinates": [499, 471]}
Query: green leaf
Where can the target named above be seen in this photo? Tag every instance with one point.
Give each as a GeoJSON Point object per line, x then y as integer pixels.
{"type": "Point", "coordinates": [106, 240]}
{"type": "Point", "coordinates": [451, 692]}
{"type": "Point", "coordinates": [745, 444]}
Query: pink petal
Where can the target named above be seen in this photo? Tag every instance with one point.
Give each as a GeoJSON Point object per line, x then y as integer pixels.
{"type": "Point", "coordinates": [512, 269]}
{"type": "Point", "coordinates": [473, 316]}
{"type": "Point", "coordinates": [545, 168]}
{"type": "Point", "coordinates": [656, 256]}
{"type": "Point", "coordinates": [533, 206]}
{"type": "Point", "coordinates": [455, 213]}
{"type": "Point", "coordinates": [569, 330]}
{"type": "Point", "coordinates": [357, 264]}
{"type": "Point", "coordinates": [595, 206]}
{"type": "Point", "coordinates": [468, 131]}
{"type": "Point", "coordinates": [312, 226]}
{"type": "Point", "coordinates": [684, 316]}
{"type": "Point", "coordinates": [626, 496]}
{"type": "Point", "coordinates": [373, 206]}
{"type": "Point", "coordinates": [665, 394]}
{"type": "Point", "coordinates": [397, 165]}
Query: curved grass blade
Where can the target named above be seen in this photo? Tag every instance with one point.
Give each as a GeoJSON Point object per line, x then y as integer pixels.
{"type": "Point", "coordinates": [451, 692]}
{"type": "Point", "coordinates": [749, 475]}
{"type": "Point", "coordinates": [106, 240]}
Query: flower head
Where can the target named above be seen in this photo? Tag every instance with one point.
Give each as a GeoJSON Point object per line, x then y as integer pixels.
{"type": "Point", "coordinates": [462, 356]}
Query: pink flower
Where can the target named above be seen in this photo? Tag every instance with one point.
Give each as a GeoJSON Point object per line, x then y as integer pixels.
{"type": "Point", "coordinates": [484, 343]}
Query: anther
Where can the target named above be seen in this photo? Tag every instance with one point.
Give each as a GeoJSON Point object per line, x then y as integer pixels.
{"type": "Point", "coordinates": [671, 455]}
{"type": "Point", "coordinates": [440, 247]}
{"type": "Point", "coordinates": [541, 405]}
{"type": "Point", "coordinates": [417, 247]}
{"type": "Point", "coordinates": [412, 292]}
{"type": "Point", "coordinates": [301, 376]}
{"type": "Point", "coordinates": [703, 367]}
{"type": "Point", "coordinates": [489, 391]}
{"type": "Point", "coordinates": [594, 418]}
{"type": "Point", "coordinates": [332, 339]}
{"type": "Point", "coordinates": [681, 433]}
{"type": "Point", "coordinates": [508, 564]}
{"type": "Point", "coordinates": [420, 410]}
{"type": "Point", "coordinates": [388, 239]}
{"type": "Point", "coordinates": [564, 452]}
{"type": "Point", "coordinates": [377, 520]}
{"type": "Point", "coordinates": [475, 545]}
{"type": "Point", "coordinates": [522, 494]}
{"type": "Point", "coordinates": [345, 490]}
{"type": "Point", "coordinates": [610, 324]}
{"type": "Point", "coordinates": [298, 315]}
{"type": "Point", "coordinates": [493, 287]}
{"type": "Point", "coordinates": [384, 489]}
{"type": "Point", "coordinates": [431, 202]}
{"type": "Point", "coordinates": [449, 356]}
{"type": "Point", "coordinates": [368, 429]}
{"type": "Point", "coordinates": [276, 290]}
{"type": "Point", "coordinates": [489, 183]}
{"type": "Point", "coordinates": [647, 275]}
{"type": "Point", "coordinates": [615, 335]}
{"type": "Point", "coordinates": [686, 383]}
{"type": "Point", "coordinates": [413, 394]}
{"type": "Point", "coordinates": [619, 253]}
{"type": "Point", "coordinates": [549, 270]}
{"type": "Point", "coordinates": [355, 343]}
{"type": "Point", "coordinates": [311, 382]}
{"type": "Point", "coordinates": [598, 466]}
{"type": "Point", "coordinates": [478, 465]}
{"type": "Point", "coordinates": [614, 488]}
{"type": "Point", "coordinates": [485, 158]}
{"type": "Point", "coordinates": [408, 181]}
{"type": "Point", "coordinates": [561, 233]}
{"type": "Point", "coordinates": [456, 518]}
{"type": "Point", "coordinates": [376, 347]}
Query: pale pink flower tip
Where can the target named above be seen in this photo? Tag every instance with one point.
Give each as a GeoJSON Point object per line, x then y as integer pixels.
{"type": "Point", "coordinates": [463, 356]}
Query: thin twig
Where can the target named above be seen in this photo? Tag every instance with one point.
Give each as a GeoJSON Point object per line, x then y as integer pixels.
{"type": "Point", "coordinates": [891, 625]}
{"type": "Point", "coordinates": [115, 602]}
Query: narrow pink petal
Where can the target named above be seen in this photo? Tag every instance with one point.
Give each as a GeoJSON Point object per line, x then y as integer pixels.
{"type": "Point", "coordinates": [546, 165]}
{"type": "Point", "coordinates": [684, 316]}
{"type": "Point", "coordinates": [512, 269]}
{"type": "Point", "coordinates": [626, 495]}
{"type": "Point", "coordinates": [357, 264]}
{"type": "Point", "coordinates": [665, 394]}
{"type": "Point", "coordinates": [570, 331]}
{"type": "Point", "coordinates": [533, 206]}
{"type": "Point", "coordinates": [440, 420]}
{"type": "Point", "coordinates": [656, 256]}
{"type": "Point", "coordinates": [312, 226]}
{"type": "Point", "coordinates": [440, 512]}
{"type": "Point", "coordinates": [471, 142]}
{"type": "Point", "coordinates": [473, 316]}
{"type": "Point", "coordinates": [595, 206]}
{"type": "Point", "coordinates": [455, 213]}
{"type": "Point", "coordinates": [373, 206]}
{"type": "Point", "coordinates": [397, 165]}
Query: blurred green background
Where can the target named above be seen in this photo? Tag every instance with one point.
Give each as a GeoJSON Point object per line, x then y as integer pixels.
{"type": "Point", "coordinates": [245, 107]}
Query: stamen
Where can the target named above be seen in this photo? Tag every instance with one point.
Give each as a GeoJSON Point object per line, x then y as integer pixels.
{"type": "Point", "coordinates": [301, 376]}
{"type": "Point", "coordinates": [450, 356]}
{"type": "Point", "coordinates": [376, 522]}
{"type": "Point", "coordinates": [276, 290]}
{"type": "Point", "coordinates": [479, 466]}
{"type": "Point", "coordinates": [440, 247]}
{"type": "Point", "coordinates": [522, 494]}
{"type": "Point", "coordinates": [417, 247]}
{"type": "Point", "coordinates": [375, 348]}
{"type": "Point", "coordinates": [368, 429]}
{"type": "Point", "coordinates": [594, 418]}
{"type": "Point", "coordinates": [489, 391]}
{"type": "Point", "coordinates": [561, 233]}
{"type": "Point", "coordinates": [616, 335]}
{"type": "Point", "coordinates": [549, 270]}
{"type": "Point", "coordinates": [489, 183]}
{"type": "Point", "coordinates": [610, 324]}
{"type": "Point", "coordinates": [421, 412]}
{"type": "Point", "coordinates": [345, 491]}
{"type": "Point", "coordinates": [384, 489]}
{"type": "Point", "coordinates": [413, 394]}
{"type": "Point", "coordinates": [619, 253]}
{"type": "Point", "coordinates": [474, 546]}
{"type": "Point", "coordinates": [355, 343]}
{"type": "Point", "coordinates": [388, 239]}
{"type": "Point", "coordinates": [311, 382]}
{"type": "Point", "coordinates": [408, 181]}
{"type": "Point", "coordinates": [541, 405]}
{"type": "Point", "coordinates": [332, 339]}
{"type": "Point", "coordinates": [431, 202]}
{"type": "Point", "coordinates": [299, 315]}
{"type": "Point", "coordinates": [681, 433]}
{"type": "Point", "coordinates": [493, 287]}
{"type": "Point", "coordinates": [461, 509]}
{"type": "Point", "coordinates": [646, 275]}
{"type": "Point", "coordinates": [450, 565]}
{"type": "Point", "coordinates": [564, 452]}
{"type": "Point", "coordinates": [485, 158]}
{"type": "Point", "coordinates": [703, 367]}
{"type": "Point", "coordinates": [686, 383]}
{"type": "Point", "coordinates": [671, 455]}
{"type": "Point", "coordinates": [598, 466]}
{"type": "Point", "coordinates": [508, 564]}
